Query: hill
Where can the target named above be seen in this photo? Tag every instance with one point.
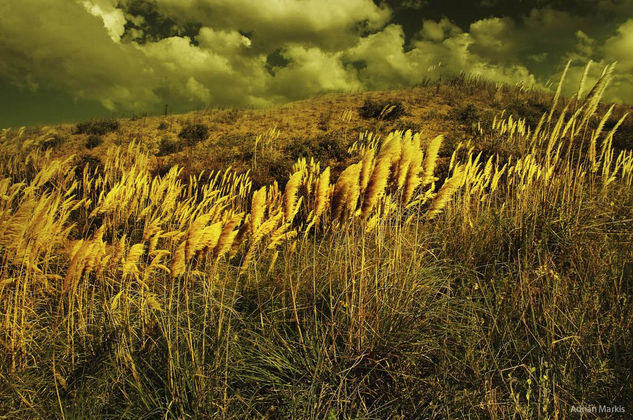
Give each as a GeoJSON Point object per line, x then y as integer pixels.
{"type": "Point", "coordinates": [323, 128]}
{"type": "Point", "coordinates": [453, 250]}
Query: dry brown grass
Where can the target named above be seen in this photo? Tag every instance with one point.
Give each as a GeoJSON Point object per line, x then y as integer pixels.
{"type": "Point", "coordinates": [401, 278]}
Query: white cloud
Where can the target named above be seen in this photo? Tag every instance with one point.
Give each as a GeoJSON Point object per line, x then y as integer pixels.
{"type": "Point", "coordinates": [225, 42]}
{"type": "Point", "coordinates": [80, 47]}
{"type": "Point", "coordinates": [179, 54]}
{"type": "Point", "coordinates": [198, 90]}
{"type": "Point", "coordinates": [63, 46]}
{"type": "Point", "coordinates": [330, 24]}
{"type": "Point", "coordinates": [441, 50]}
{"type": "Point", "coordinates": [312, 71]}
{"type": "Point", "coordinates": [620, 47]}
{"type": "Point", "coordinates": [113, 18]}
{"type": "Point", "coordinates": [438, 31]}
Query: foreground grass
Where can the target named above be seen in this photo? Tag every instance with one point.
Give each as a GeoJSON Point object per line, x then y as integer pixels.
{"type": "Point", "coordinates": [509, 295]}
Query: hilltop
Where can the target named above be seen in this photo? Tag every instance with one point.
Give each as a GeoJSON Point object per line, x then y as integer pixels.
{"type": "Point", "coordinates": [323, 127]}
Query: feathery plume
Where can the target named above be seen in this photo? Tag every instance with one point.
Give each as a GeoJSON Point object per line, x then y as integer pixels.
{"type": "Point", "coordinates": [368, 167]}
{"type": "Point", "coordinates": [412, 180]}
{"type": "Point", "coordinates": [290, 194]}
{"type": "Point", "coordinates": [346, 191]}
{"type": "Point", "coordinates": [431, 158]}
{"type": "Point", "coordinates": [258, 208]}
{"type": "Point", "coordinates": [322, 192]}
{"type": "Point", "coordinates": [227, 236]}
{"type": "Point", "coordinates": [558, 91]}
{"type": "Point", "coordinates": [446, 193]}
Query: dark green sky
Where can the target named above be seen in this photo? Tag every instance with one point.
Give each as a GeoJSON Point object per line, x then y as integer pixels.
{"type": "Point", "coordinates": [70, 60]}
{"type": "Point", "coordinates": [21, 105]}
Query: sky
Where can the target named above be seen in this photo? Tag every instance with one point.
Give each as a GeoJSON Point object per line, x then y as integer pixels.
{"type": "Point", "coordinates": [71, 60]}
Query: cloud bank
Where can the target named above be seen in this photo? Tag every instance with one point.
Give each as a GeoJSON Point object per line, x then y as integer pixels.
{"type": "Point", "coordinates": [137, 55]}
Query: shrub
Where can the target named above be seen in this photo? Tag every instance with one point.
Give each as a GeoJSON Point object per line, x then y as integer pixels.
{"type": "Point", "coordinates": [467, 114]}
{"type": "Point", "coordinates": [167, 146]}
{"type": "Point", "coordinates": [194, 133]}
{"type": "Point", "coordinates": [97, 127]}
{"type": "Point", "coordinates": [52, 142]}
{"type": "Point", "coordinates": [93, 141]}
{"type": "Point", "coordinates": [298, 148]}
{"type": "Point", "coordinates": [382, 110]}
{"type": "Point", "coordinates": [325, 149]}
{"type": "Point", "coordinates": [531, 111]}
{"type": "Point", "coordinates": [623, 138]}
{"type": "Point", "coordinates": [92, 162]}
{"type": "Point", "coordinates": [404, 125]}
{"type": "Point", "coordinates": [324, 120]}
{"type": "Point", "coordinates": [329, 147]}
{"type": "Point", "coordinates": [163, 125]}
{"type": "Point", "coordinates": [228, 116]}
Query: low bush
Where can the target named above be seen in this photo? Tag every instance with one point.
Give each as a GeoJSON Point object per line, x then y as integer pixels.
{"type": "Point", "coordinates": [531, 111]}
{"type": "Point", "coordinates": [97, 127]}
{"type": "Point", "coordinates": [194, 133]}
{"type": "Point", "coordinates": [92, 162]}
{"type": "Point", "coordinates": [298, 148]}
{"type": "Point", "coordinates": [328, 147]}
{"type": "Point", "coordinates": [93, 141]}
{"type": "Point", "coordinates": [387, 111]}
{"type": "Point", "coordinates": [623, 137]}
{"type": "Point", "coordinates": [167, 146]}
{"type": "Point", "coordinates": [52, 142]}
{"type": "Point", "coordinates": [467, 114]}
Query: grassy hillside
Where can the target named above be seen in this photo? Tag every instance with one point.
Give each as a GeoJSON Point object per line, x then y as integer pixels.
{"type": "Point", "coordinates": [323, 128]}
{"type": "Point", "coordinates": [452, 250]}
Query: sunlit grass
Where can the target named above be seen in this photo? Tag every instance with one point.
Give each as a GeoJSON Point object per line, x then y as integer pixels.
{"type": "Point", "coordinates": [499, 287]}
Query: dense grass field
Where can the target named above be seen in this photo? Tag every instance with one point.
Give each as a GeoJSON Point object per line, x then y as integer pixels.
{"type": "Point", "coordinates": [455, 250]}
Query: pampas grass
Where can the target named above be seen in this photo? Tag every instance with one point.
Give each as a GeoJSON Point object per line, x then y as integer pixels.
{"type": "Point", "coordinates": [290, 194]}
{"type": "Point", "coordinates": [346, 192]}
{"type": "Point", "coordinates": [322, 193]}
{"type": "Point", "coordinates": [390, 290]}
{"type": "Point", "coordinates": [430, 160]}
{"type": "Point", "coordinates": [258, 208]}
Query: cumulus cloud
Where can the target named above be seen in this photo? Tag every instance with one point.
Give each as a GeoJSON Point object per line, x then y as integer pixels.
{"type": "Point", "coordinates": [620, 47]}
{"type": "Point", "coordinates": [61, 44]}
{"type": "Point", "coordinates": [311, 71]}
{"type": "Point", "coordinates": [382, 61]}
{"type": "Point", "coordinates": [113, 18]}
{"type": "Point", "coordinates": [79, 47]}
{"type": "Point", "coordinates": [329, 24]}
{"type": "Point", "coordinates": [441, 50]}
{"type": "Point", "coordinates": [137, 55]}
{"type": "Point", "coordinates": [440, 30]}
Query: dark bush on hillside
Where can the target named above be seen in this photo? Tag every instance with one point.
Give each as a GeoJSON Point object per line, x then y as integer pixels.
{"type": "Point", "coordinates": [167, 146]}
{"type": "Point", "coordinates": [329, 147]}
{"type": "Point", "coordinates": [163, 125]}
{"type": "Point", "coordinates": [194, 133]}
{"type": "Point", "coordinates": [382, 110]}
{"type": "Point", "coordinates": [298, 148]}
{"type": "Point", "coordinates": [325, 148]}
{"type": "Point", "coordinates": [92, 162]}
{"type": "Point", "coordinates": [404, 125]}
{"type": "Point", "coordinates": [52, 142]}
{"type": "Point", "coordinates": [228, 116]}
{"type": "Point", "coordinates": [467, 114]}
{"type": "Point", "coordinates": [324, 120]}
{"type": "Point", "coordinates": [531, 111]}
{"type": "Point", "coordinates": [97, 127]}
{"type": "Point", "coordinates": [93, 141]}
{"type": "Point", "coordinates": [623, 138]}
